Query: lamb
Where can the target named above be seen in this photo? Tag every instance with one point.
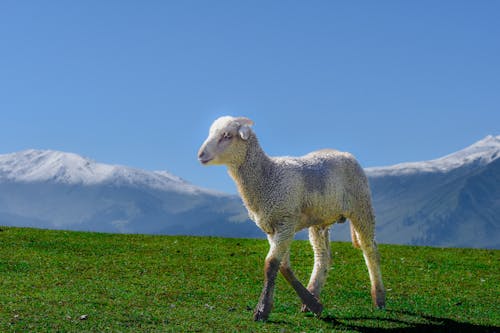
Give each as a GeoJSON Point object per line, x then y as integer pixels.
{"type": "Point", "coordinates": [286, 194]}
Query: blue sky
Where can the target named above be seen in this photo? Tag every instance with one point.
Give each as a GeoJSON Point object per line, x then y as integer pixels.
{"type": "Point", "coordinates": [138, 83]}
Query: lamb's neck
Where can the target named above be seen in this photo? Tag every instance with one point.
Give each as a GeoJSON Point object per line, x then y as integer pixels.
{"type": "Point", "coordinates": [252, 175]}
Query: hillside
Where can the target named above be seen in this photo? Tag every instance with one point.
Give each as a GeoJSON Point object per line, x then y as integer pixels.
{"type": "Point", "coordinates": [75, 281]}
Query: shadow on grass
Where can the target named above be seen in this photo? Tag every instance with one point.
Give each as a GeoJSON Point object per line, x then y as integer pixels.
{"type": "Point", "coordinates": [418, 323]}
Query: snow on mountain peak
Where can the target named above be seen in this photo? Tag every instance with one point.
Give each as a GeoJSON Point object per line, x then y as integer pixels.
{"type": "Point", "coordinates": [46, 165]}
{"type": "Point", "coordinates": [68, 168]}
{"type": "Point", "coordinates": [483, 152]}
{"type": "Point", "coordinates": [488, 143]}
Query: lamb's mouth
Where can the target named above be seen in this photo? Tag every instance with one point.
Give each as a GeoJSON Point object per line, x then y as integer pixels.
{"type": "Point", "coordinates": [205, 160]}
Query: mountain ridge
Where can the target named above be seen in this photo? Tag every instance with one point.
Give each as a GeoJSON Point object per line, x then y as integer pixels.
{"type": "Point", "coordinates": [483, 151]}
{"type": "Point", "coordinates": [59, 190]}
{"type": "Point", "coordinates": [450, 201]}
{"type": "Point", "coordinates": [72, 169]}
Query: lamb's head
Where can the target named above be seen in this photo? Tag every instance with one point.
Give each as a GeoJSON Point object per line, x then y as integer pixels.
{"type": "Point", "coordinates": [226, 142]}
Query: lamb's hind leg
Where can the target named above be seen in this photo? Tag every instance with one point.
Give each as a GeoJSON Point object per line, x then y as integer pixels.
{"type": "Point", "coordinates": [365, 235]}
{"type": "Point", "coordinates": [308, 299]}
{"type": "Point", "coordinates": [320, 241]}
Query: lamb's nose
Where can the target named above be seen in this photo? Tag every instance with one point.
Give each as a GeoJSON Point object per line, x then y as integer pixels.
{"type": "Point", "coordinates": [202, 157]}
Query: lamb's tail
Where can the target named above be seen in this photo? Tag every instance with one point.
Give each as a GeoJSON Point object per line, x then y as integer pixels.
{"type": "Point", "coordinates": [354, 236]}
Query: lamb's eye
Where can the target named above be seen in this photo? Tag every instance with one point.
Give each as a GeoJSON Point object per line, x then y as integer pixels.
{"type": "Point", "coordinates": [227, 136]}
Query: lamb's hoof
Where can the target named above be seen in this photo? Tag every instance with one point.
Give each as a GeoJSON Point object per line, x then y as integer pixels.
{"type": "Point", "coordinates": [380, 305]}
{"type": "Point", "coordinates": [262, 310]}
{"type": "Point", "coordinates": [260, 316]}
{"type": "Point", "coordinates": [315, 308]}
{"type": "Point", "coordinates": [378, 297]}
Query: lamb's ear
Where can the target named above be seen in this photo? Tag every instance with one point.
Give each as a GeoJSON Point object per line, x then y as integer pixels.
{"type": "Point", "coordinates": [244, 121]}
{"type": "Point", "coordinates": [244, 132]}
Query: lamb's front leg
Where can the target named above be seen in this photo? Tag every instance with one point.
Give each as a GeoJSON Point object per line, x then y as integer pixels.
{"type": "Point", "coordinates": [279, 247]}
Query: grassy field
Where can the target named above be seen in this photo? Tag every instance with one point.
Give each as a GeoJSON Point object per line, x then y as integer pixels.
{"type": "Point", "coordinates": [66, 281]}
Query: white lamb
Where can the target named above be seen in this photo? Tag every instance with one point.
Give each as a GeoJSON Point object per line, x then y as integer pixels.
{"type": "Point", "coordinates": [286, 194]}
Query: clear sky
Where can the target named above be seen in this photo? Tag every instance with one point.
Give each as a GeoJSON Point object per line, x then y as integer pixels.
{"type": "Point", "coordinates": [138, 83]}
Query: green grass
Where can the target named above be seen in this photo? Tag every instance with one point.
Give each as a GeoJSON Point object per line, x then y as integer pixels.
{"type": "Point", "coordinates": [134, 283]}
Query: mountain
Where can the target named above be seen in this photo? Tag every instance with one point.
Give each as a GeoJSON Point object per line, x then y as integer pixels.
{"type": "Point", "coordinates": [453, 201]}
{"type": "Point", "coordinates": [450, 201]}
{"type": "Point", "coordinates": [52, 189]}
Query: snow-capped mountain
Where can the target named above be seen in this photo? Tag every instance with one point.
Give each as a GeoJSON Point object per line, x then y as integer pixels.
{"type": "Point", "coordinates": [450, 201]}
{"type": "Point", "coordinates": [54, 189]}
{"type": "Point", "coordinates": [71, 169]}
{"type": "Point", "coordinates": [480, 153]}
